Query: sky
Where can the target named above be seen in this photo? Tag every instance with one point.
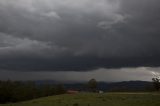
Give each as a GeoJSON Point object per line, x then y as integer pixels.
{"type": "Point", "coordinates": [76, 40]}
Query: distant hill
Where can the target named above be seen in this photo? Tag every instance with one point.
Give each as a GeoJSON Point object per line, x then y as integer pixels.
{"type": "Point", "coordinates": [125, 86]}
{"type": "Point", "coordinates": [105, 86]}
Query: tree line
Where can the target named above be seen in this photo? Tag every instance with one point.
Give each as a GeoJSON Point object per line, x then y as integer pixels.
{"type": "Point", "coordinates": [15, 91]}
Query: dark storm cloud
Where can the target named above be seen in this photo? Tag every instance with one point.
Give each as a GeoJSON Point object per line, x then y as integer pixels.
{"type": "Point", "coordinates": [74, 35]}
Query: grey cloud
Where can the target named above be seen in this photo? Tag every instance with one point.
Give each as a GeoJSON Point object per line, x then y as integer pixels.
{"type": "Point", "coordinates": [78, 35]}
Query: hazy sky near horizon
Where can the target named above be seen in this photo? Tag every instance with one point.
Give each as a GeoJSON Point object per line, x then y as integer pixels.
{"type": "Point", "coordinates": [74, 40]}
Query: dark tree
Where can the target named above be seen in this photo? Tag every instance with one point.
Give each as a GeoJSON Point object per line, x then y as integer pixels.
{"type": "Point", "coordinates": [92, 85]}
{"type": "Point", "coordinates": [156, 83]}
{"type": "Point", "coordinates": [59, 89]}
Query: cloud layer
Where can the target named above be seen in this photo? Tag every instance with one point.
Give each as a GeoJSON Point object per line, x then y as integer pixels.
{"type": "Point", "coordinates": [109, 75]}
{"type": "Point", "coordinates": [78, 35]}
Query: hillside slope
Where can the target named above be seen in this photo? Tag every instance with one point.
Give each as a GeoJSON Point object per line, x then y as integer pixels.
{"type": "Point", "coordinates": [90, 99]}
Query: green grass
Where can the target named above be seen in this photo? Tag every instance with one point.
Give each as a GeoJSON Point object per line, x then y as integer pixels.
{"type": "Point", "coordinates": [90, 99]}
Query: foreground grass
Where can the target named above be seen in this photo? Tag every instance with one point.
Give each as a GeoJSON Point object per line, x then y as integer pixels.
{"type": "Point", "coordinates": [90, 99]}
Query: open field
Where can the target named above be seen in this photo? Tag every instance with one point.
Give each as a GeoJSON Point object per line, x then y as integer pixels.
{"type": "Point", "coordinates": [91, 99]}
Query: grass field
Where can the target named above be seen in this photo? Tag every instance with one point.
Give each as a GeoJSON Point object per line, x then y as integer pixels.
{"type": "Point", "coordinates": [90, 99]}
